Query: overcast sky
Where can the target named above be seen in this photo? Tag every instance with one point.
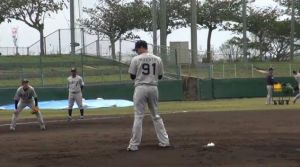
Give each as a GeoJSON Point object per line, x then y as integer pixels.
{"type": "Point", "coordinates": [27, 35]}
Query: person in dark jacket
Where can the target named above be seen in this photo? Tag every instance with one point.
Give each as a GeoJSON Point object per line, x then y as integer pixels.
{"type": "Point", "coordinates": [270, 83]}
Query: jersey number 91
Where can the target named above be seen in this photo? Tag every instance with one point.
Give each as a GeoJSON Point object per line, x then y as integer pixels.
{"type": "Point", "coordinates": [147, 68]}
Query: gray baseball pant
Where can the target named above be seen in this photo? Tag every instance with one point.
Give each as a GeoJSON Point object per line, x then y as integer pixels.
{"type": "Point", "coordinates": [75, 97]}
{"type": "Point", "coordinates": [147, 95]}
{"type": "Point", "coordinates": [270, 94]}
{"type": "Point", "coordinates": [20, 107]}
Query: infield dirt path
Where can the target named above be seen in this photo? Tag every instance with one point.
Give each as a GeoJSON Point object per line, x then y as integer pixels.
{"type": "Point", "coordinates": [243, 139]}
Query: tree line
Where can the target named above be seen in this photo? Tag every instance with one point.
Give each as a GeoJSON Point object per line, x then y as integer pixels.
{"type": "Point", "coordinates": [268, 29]}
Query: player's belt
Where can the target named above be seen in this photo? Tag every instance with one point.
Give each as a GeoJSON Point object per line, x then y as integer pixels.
{"type": "Point", "coordinates": [145, 84]}
{"type": "Point", "coordinates": [26, 100]}
{"type": "Point", "coordinates": [74, 92]}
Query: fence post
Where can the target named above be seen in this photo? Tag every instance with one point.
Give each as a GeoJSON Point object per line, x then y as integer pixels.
{"type": "Point", "coordinates": [100, 50]}
{"type": "Point", "coordinates": [120, 58]}
{"type": "Point", "coordinates": [82, 73]}
{"type": "Point", "coordinates": [17, 51]}
{"type": "Point", "coordinates": [98, 46]}
{"type": "Point", "coordinates": [45, 46]}
{"type": "Point", "coordinates": [252, 72]}
{"type": "Point", "coordinates": [223, 75]}
{"type": "Point", "coordinates": [209, 72]}
{"type": "Point", "coordinates": [41, 70]}
{"type": "Point", "coordinates": [83, 41]}
{"type": "Point", "coordinates": [120, 51]}
{"type": "Point", "coordinates": [235, 71]}
{"type": "Point", "coordinates": [27, 51]}
{"type": "Point", "coordinates": [212, 71]}
{"type": "Point", "coordinates": [290, 67]}
{"type": "Point", "coordinates": [178, 65]}
{"type": "Point", "coordinates": [59, 42]}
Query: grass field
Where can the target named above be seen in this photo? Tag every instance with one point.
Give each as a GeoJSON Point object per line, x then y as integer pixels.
{"type": "Point", "coordinates": [54, 69]}
{"type": "Point", "coordinates": [251, 104]}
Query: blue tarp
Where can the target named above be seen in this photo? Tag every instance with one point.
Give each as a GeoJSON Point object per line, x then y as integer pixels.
{"type": "Point", "coordinates": [63, 104]}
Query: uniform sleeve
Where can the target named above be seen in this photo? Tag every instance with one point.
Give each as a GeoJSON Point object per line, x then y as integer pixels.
{"type": "Point", "coordinates": [132, 67]}
{"type": "Point", "coordinates": [17, 95]}
{"type": "Point", "coordinates": [34, 93]}
{"type": "Point", "coordinates": [161, 68]}
{"type": "Point", "coordinates": [81, 82]}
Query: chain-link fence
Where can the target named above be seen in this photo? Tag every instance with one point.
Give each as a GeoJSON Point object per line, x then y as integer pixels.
{"type": "Point", "coordinates": [5, 51]}
{"type": "Point", "coordinates": [52, 70]}
{"type": "Point", "coordinates": [97, 65]}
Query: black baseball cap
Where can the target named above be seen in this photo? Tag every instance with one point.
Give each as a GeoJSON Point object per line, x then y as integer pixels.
{"type": "Point", "coordinates": [139, 44]}
{"type": "Point", "coordinates": [25, 81]}
{"type": "Point", "coordinates": [271, 69]}
{"type": "Point", "coordinates": [73, 69]}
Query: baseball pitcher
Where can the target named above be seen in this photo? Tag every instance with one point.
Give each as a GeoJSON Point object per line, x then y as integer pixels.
{"type": "Point", "coordinates": [75, 86]}
{"type": "Point", "coordinates": [26, 97]}
{"type": "Point", "coordinates": [146, 69]}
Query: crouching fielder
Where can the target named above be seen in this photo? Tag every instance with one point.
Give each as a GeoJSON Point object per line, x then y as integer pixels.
{"type": "Point", "coordinates": [146, 69]}
{"type": "Point", "coordinates": [24, 98]}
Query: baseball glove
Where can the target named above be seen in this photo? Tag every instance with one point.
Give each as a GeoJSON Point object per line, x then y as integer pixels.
{"type": "Point", "coordinates": [35, 110]}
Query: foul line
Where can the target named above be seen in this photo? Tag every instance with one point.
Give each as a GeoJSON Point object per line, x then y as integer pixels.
{"type": "Point", "coordinates": [64, 120]}
{"type": "Point", "coordinates": [86, 119]}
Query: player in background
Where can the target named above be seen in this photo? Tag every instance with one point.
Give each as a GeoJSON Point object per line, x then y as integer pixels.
{"type": "Point", "coordinates": [75, 86]}
{"type": "Point", "coordinates": [269, 83]}
{"type": "Point", "coordinates": [297, 78]}
{"type": "Point", "coordinates": [26, 97]}
{"type": "Point", "coordinates": [146, 69]}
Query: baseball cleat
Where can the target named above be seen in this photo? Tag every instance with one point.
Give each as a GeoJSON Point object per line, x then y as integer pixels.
{"type": "Point", "coordinates": [162, 145]}
{"type": "Point", "coordinates": [132, 148]}
{"type": "Point", "coordinates": [69, 118]}
{"type": "Point", "coordinates": [43, 127]}
{"type": "Point", "coordinates": [12, 129]}
{"type": "Point", "coordinates": [81, 117]}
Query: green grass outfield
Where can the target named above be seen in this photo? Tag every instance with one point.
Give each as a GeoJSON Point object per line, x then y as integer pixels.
{"type": "Point", "coordinates": [252, 104]}
{"type": "Point", "coordinates": [96, 70]}
{"type": "Point", "coordinates": [56, 68]}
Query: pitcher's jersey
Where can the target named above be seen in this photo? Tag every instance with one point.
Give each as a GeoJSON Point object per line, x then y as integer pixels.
{"type": "Point", "coordinates": [147, 67]}
{"type": "Point", "coordinates": [25, 95]}
{"type": "Point", "coordinates": [74, 84]}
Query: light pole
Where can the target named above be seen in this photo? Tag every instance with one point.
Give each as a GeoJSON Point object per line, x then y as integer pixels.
{"type": "Point", "coordinates": [194, 31]}
{"type": "Point", "coordinates": [292, 31]}
{"type": "Point", "coordinates": [244, 16]}
{"type": "Point", "coordinates": [154, 25]}
{"type": "Point", "coordinates": [163, 30]}
{"type": "Point", "coordinates": [72, 27]}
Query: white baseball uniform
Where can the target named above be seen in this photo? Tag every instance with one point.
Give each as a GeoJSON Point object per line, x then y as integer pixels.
{"type": "Point", "coordinates": [147, 68]}
{"type": "Point", "coordinates": [25, 99]}
{"type": "Point", "coordinates": [75, 94]}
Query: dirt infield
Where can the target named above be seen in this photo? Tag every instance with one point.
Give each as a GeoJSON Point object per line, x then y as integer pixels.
{"type": "Point", "coordinates": [248, 139]}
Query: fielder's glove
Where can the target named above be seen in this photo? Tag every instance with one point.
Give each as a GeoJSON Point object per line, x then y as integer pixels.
{"type": "Point", "coordinates": [35, 110]}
